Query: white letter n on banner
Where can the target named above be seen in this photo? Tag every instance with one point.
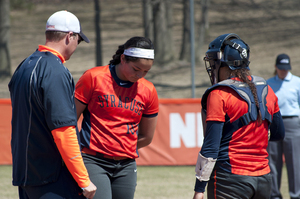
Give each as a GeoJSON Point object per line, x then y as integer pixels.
{"type": "Point", "coordinates": [180, 130]}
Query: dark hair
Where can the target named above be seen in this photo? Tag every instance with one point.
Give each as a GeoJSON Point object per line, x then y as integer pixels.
{"type": "Point", "coordinates": [243, 74]}
{"type": "Point", "coordinates": [138, 42]}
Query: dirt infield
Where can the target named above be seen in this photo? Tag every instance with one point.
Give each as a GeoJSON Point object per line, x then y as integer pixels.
{"type": "Point", "coordinates": [269, 27]}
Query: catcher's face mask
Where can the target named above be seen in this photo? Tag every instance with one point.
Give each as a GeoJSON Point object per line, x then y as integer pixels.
{"type": "Point", "coordinates": [212, 62]}
{"type": "Point", "coordinates": [214, 56]}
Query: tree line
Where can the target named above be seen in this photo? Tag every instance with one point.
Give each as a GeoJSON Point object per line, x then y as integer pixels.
{"type": "Point", "coordinates": [157, 22]}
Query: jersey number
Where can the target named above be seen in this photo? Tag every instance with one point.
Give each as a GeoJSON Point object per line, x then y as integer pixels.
{"type": "Point", "coordinates": [130, 128]}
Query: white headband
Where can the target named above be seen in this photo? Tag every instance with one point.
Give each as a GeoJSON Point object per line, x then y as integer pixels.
{"type": "Point", "coordinates": [140, 53]}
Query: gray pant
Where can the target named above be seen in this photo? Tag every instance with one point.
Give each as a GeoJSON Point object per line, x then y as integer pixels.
{"type": "Point", "coordinates": [290, 147]}
{"type": "Point", "coordinates": [113, 179]}
{"type": "Point", "coordinates": [224, 185]}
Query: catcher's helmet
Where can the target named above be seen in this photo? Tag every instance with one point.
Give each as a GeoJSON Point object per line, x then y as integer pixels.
{"type": "Point", "coordinates": [226, 50]}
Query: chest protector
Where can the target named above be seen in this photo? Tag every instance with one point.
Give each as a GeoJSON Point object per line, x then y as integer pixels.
{"type": "Point", "coordinates": [244, 91]}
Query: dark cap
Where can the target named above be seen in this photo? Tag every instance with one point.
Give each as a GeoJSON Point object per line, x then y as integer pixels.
{"type": "Point", "coordinates": [283, 62]}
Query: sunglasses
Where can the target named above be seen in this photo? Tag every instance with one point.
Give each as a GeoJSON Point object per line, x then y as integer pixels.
{"type": "Point", "coordinates": [79, 38]}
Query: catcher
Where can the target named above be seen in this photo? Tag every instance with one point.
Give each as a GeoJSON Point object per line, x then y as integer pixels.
{"type": "Point", "coordinates": [240, 109]}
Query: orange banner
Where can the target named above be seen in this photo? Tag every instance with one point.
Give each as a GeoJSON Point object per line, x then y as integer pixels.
{"type": "Point", "coordinates": [177, 139]}
{"type": "Point", "coordinates": [5, 131]}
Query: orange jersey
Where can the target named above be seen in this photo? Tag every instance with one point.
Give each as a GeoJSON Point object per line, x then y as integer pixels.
{"type": "Point", "coordinates": [114, 110]}
{"type": "Point", "coordinates": [243, 152]}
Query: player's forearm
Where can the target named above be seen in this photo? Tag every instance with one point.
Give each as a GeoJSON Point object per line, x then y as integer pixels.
{"type": "Point", "coordinates": [144, 140]}
{"type": "Point", "coordinates": [212, 139]}
{"type": "Point", "coordinates": [146, 131]}
{"type": "Point", "coordinates": [67, 144]}
{"type": "Point", "coordinates": [200, 186]}
{"type": "Point", "coordinates": [277, 128]}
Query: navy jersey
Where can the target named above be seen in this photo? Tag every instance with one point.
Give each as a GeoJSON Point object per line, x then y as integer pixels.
{"type": "Point", "coordinates": [42, 96]}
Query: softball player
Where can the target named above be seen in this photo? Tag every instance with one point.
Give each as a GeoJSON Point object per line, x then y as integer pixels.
{"type": "Point", "coordinates": [47, 162]}
{"type": "Point", "coordinates": [120, 111]}
{"type": "Point", "coordinates": [239, 110]}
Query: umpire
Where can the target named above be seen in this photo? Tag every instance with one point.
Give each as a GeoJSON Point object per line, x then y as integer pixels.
{"type": "Point", "coordinates": [287, 89]}
{"type": "Point", "coordinates": [47, 162]}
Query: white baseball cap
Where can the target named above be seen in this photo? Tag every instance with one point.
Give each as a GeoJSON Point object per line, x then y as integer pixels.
{"type": "Point", "coordinates": [65, 21]}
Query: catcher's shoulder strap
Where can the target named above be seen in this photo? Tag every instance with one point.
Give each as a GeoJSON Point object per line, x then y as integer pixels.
{"type": "Point", "coordinates": [244, 91]}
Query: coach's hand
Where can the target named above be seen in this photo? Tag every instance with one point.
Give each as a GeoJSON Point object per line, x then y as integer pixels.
{"type": "Point", "coordinates": [198, 195]}
{"type": "Point", "coordinates": [89, 191]}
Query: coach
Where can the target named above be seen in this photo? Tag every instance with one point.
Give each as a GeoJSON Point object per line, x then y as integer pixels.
{"type": "Point", "coordinates": [47, 162]}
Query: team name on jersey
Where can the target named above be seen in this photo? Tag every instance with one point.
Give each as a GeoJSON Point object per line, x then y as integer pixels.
{"type": "Point", "coordinates": [125, 102]}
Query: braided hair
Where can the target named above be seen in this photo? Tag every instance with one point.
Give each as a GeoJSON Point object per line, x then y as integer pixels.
{"type": "Point", "coordinates": [137, 42]}
{"type": "Point", "coordinates": [243, 74]}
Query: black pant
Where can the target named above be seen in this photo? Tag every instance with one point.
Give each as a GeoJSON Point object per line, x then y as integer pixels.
{"type": "Point", "coordinates": [64, 188]}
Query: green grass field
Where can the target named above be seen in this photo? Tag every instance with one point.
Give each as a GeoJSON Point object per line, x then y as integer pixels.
{"type": "Point", "coordinates": [161, 182]}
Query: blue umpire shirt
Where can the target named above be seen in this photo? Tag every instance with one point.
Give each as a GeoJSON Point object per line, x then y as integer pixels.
{"type": "Point", "coordinates": [288, 93]}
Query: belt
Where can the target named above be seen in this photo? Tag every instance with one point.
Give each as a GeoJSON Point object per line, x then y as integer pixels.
{"type": "Point", "coordinates": [289, 116]}
{"type": "Point", "coordinates": [94, 153]}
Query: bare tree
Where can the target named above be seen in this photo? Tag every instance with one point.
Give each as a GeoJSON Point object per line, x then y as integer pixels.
{"type": "Point", "coordinates": [163, 39]}
{"type": "Point", "coordinates": [203, 28]}
{"type": "Point", "coordinates": [98, 34]}
{"type": "Point", "coordinates": [185, 52]}
{"type": "Point", "coordinates": [148, 19]}
{"type": "Point", "coordinates": [4, 39]}
{"type": "Point", "coordinates": [201, 31]}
